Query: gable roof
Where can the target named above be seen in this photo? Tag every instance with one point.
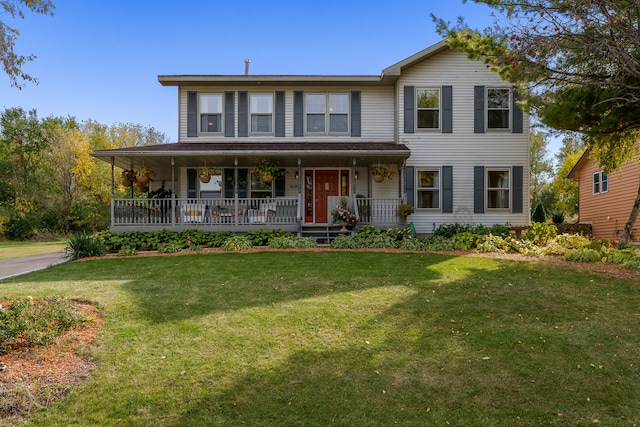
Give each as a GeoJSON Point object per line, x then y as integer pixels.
{"type": "Point", "coordinates": [579, 163]}
{"type": "Point", "coordinates": [388, 77]}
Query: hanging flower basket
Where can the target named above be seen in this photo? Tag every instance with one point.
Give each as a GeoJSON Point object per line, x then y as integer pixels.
{"type": "Point", "coordinates": [382, 173]}
{"type": "Point", "coordinates": [143, 175]}
{"type": "Point", "coordinates": [205, 173]}
{"type": "Point", "coordinates": [128, 177]}
{"type": "Point", "coordinates": [268, 169]}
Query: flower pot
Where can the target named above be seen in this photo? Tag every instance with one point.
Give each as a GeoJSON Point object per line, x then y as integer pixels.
{"type": "Point", "coordinates": [142, 179]}
{"type": "Point", "coordinates": [378, 178]}
{"type": "Point", "coordinates": [127, 183]}
{"type": "Point", "coordinates": [343, 224]}
{"type": "Point", "coordinates": [266, 178]}
{"type": "Point", "coordinates": [205, 178]}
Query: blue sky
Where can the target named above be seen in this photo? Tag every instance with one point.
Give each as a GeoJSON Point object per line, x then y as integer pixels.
{"type": "Point", "coordinates": [100, 59]}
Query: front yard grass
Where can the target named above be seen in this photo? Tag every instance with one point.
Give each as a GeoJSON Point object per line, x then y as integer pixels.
{"type": "Point", "coordinates": [13, 249]}
{"type": "Point", "coordinates": [349, 338]}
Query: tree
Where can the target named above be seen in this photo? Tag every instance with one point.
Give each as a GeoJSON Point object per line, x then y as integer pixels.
{"type": "Point", "coordinates": [566, 189]}
{"type": "Point", "coordinates": [576, 64]}
{"type": "Point", "coordinates": [540, 167]}
{"type": "Point", "coordinates": [12, 62]}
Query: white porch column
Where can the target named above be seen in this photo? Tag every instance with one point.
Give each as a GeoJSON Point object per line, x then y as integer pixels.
{"type": "Point", "coordinates": [113, 192]}
{"type": "Point", "coordinates": [173, 191]}
{"type": "Point", "coordinates": [235, 189]}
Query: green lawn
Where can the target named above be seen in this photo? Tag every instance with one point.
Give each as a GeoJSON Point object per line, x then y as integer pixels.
{"type": "Point", "coordinates": [349, 339]}
{"type": "Point", "coordinates": [19, 249]}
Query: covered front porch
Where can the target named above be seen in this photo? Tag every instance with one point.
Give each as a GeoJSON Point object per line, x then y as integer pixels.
{"type": "Point", "coordinates": [317, 177]}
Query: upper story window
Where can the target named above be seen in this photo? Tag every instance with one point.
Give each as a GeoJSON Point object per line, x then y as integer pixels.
{"type": "Point", "coordinates": [211, 112]}
{"type": "Point", "coordinates": [261, 113]}
{"type": "Point", "coordinates": [498, 189]}
{"type": "Point", "coordinates": [428, 108]}
{"type": "Point", "coordinates": [498, 110]}
{"type": "Point", "coordinates": [428, 189]}
{"type": "Point", "coordinates": [327, 113]}
{"type": "Point", "coordinates": [600, 182]}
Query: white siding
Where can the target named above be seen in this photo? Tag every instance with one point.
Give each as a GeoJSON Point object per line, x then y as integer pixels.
{"type": "Point", "coordinates": [377, 114]}
{"type": "Point", "coordinates": [463, 149]}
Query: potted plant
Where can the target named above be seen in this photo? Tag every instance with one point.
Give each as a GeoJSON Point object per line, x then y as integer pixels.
{"type": "Point", "coordinates": [143, 174]}
{"type": "Point", "coordinates": [403, 211]}
{"type": "Point", "coordinates": [268, 169]}
{"type": "Point", "coordinates": [128, 177]}
{"type": "Point", "coordinates": [205, 173]}
{"type": "Point", "coordinates": [342, 215]}
{"type": "Point", "coordinates": [382, 172]}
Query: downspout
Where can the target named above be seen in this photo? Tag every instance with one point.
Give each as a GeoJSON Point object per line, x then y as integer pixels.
{"type": "Point", "coordinates": [113, 193]}
{"type": "Point", "coordinates": [173, 192]}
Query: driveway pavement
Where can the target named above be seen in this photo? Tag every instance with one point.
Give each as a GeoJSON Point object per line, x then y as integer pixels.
{"type": "Point", "coordinates": [17, 266]}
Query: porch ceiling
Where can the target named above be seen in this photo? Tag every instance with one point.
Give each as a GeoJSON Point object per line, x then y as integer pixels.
{"type": "Point", "coordinates": [311, 154]}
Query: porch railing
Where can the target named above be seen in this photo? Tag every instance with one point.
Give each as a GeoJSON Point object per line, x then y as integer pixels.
{"type": "Point", "coordinates": [230, 211]}
{"type": "Point", "coordinates": [380, 212]}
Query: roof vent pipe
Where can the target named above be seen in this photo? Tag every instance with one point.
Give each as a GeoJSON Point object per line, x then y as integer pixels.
{"type": "Point", "coordinates": [246, 67]}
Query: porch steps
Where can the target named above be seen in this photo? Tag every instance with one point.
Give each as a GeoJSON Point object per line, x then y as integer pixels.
{"type": "Point", "coordinates": [323, 234]}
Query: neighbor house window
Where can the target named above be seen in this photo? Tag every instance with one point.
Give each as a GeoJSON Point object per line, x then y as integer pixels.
{"type": "Point", "coordinates": [428, 189]}
{"type": "Point", "coordinates": [498, 189]}
{"type": "Point", "coordinates": [211, 113]}
{"type": "Point", "coordinates": [498, 108]}
{"type": "Point", "coordinates": [428, 108]}
{"type": "Point", "coordinates": [262, 113]}
{"type": "Point", "coordinates": [600, 182]}
{"type": "Point", "coordinates": [327, 113]}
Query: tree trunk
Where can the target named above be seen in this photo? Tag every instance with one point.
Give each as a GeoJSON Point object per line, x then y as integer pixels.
{"type": "Point", "coordinates": [626, 233]}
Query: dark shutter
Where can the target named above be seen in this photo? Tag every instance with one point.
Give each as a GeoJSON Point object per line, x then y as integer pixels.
{"type": "Point", "coordinates": [517, 113]}
{"type": "Point", "coordinates": [229, 114]}
{"type": "Point", "coordinates": [447, 189]}
{"type": "Point", "coordinates": [192, 183]}
{"type": "Point", "coordinates": [518, 193]}
{"type": "Point", "coordinates": [409, 105]}
{"type": "Point", "coordinates": [192, 113]}
{"type": "Point", "coordinates": [298, 113]}
{"type": "Point", "coordinates": [279, 114]}
{"type": "Point", "coordinates": [409, 184]}
{"type": "Point", "coordinates": [478, 109]}
{"type": "Point", "coordinates": [280, 186]}
{"type": "Point", "coordinates": [447, 109]}
{"type": "Point", "coordinates": [243, 114]}
{"type": "Point", "coordinates": [355, 114]}
{"type": "Point", "coordinates": [478, 189]}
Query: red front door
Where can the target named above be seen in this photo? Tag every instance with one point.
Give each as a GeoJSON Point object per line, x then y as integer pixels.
{"type": "Point", "coordinates": [326, 184]}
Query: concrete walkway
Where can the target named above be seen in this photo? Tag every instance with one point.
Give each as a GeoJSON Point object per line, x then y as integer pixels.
{"type": "Point", "coordinates": [17, 266]}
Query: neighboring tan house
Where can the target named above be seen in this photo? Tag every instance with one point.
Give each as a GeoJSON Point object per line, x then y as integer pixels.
{"type": "Point", "coordinates": [605, 200]}
{"type": "Point", "coordinates": [447, 126]}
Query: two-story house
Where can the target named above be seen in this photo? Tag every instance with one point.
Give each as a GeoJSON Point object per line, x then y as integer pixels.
{"type": "Point", "coordinates": [447, 126]}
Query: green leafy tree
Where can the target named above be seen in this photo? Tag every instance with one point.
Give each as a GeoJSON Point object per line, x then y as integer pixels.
{"type": "Point", "coordinates": [12, 62]}
{"type": "Point", "coordinates": [541, 169]}
{"type": "Point", "coordinates": [577, 67]}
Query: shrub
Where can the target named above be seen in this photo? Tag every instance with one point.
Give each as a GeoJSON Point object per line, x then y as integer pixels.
{"type": "Point", "coordinates": [539, 214]}
{"type": "Point", "coordinates": [540, 233]}
{"type": "Point", "coordinates": [344, 241]}
{"type": "Point", "coordinates": [80, 245]}
{"type": "Point", "coordinates": [36, 321]}
{"type": "Point", "coordinates": [169, 248]}
{"type": "Point", "coordinates": [262, 236]}
{"type": "Point", "coordinates": [290, 241]}
{"type": "Point", "coordinates": [236, 243]}
{"type": "Point", "coordinates": [126, 251]}
{"type": "Point", "coordinates": [412, 244]}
